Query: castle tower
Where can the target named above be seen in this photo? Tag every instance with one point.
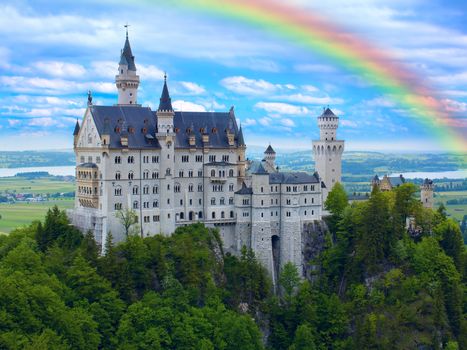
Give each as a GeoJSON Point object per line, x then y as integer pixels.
{"type": "Point", "coordinates": [126, 80]}
{"type": "Point", "coordinates": [327, 151]}
{"type": "Point", "coordinates": [166, 136]}
{"type": "Point", "coordinates": [270, 159]}
{"type": "Point", "coordinates": [426, 193]}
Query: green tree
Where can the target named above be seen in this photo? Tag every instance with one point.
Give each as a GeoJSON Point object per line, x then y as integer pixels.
{"type": "Point", "coordinates": [335, 203]}
{"type": "Point", "coordinates": [449, 234]}
{"type": "Point", "coordinates": [128, 219]}
{"type": "Point", "coordinates": [304, 339]}
{"type": "Point", "coordinates": [289, 279]}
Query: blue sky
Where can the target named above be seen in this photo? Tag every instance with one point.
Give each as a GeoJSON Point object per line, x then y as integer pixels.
{"type": "Point", "coordinates": [52, 52]}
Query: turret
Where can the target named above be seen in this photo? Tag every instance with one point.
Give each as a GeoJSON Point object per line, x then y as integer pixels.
{"type": "Point", "coordinates": [327, 151]}
{"type": "Point", "coordinates": [126, 80]}
{"type": "Point", "coordinates": [270, 159]}
{"type": "Point", "coordinates": [165, 112]}
{"type": "Point", "coordinates": [426, 193]}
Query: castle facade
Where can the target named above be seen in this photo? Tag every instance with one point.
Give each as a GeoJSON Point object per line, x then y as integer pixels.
{"type": "Point", "coordinates": [174, 168]}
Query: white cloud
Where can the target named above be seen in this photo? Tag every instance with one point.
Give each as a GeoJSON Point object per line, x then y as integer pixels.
{"type": "Point", "coordinates": [149, 72]}
{"type": "Point", "coordinates": [42, 122]}
{"type": "Point", "coordinates": [13, 122]}
{"type": "Point", "coordinates": [245, 86]}
{"type": "Point", "coordinates": [282, 108]}
{"type": "Point", "coordinates": [380, 102]}
{"type": "Point", "coordinates": [348, 123]}
{"type": "Point", "coordinates": [301, 98]}
{"type": "Point", "coordinates": [61, 69]}
{"type": "Point", "coordinates": [192, 88]}
{"type": "Point", "coordinates": [249, 122]}
{"type": "Point", "coordinates": [265, 121]}
{"type": "Point", "coordinates": [53, 86]}
{"type": "Point", "coordinates": [454, 106]}
{"type": "Point", "coordinates": [287, 122]}
{"type": "Point", "coordinates": [181, 105]}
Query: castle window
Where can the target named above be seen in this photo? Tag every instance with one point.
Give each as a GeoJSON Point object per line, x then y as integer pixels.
{"type": "Point", "coordinates": [155, 218]}
{"type": "Point", "coordinates": [262, 202]}
{"type": "Point", "coordinates": [222, 201]}
{"type": "Point", "coordinates": [130, 175]}
{"type": "Point", "coordinates": [231, 173]}
{"type": "Point", "coordinates": [305, 188]}
{"type": "Point", "coordinates": [287, 214]}
{"type": "Point", "coordinates": [135, 189]}
{"type": "Point", "coordinates": [262, 215]}
{"type": "Point", "coordinates": [146, 174]}
{"type": "Point", "coordinates": [212, 158]}
{"type": "Point", "coordinates": [222, 215]}
{"type": "Point", "coordinates": [177, 188]}
{"type": "Point", "coordinates": [155, 190]}
{"type": "Point", "coordinates": [199, 201]}
{"type": "Point", "coordinates": [98, 159]}
{"type": "Point", "coordinates": [190, 188]}
{"type": "Point", "coordinates": [180, 173]}
{"type": "Point", "coordinates": [82, 159]}
{"type": "Point", "coordinates": [262, 189]}
{"type": "Point", "coordinates": [312, 212]}
{"type": "Point", "coordinates": [131, 159]}
{"type": "Point", "coordinates": [213, 201]}
{"type": "Point", "coordinates": [199, 158]}
{"type": "Point", "coordinates": [312, 200]}
{"type": "Point", "coordinates": [155, 159]}
{"type": "Point", "coordinates": [118, 206]}
{"type": "Point", "coordinates": [288, 201]}
{"type": "Point", "coordinates": [200, 188]}
{"type": "Point", "coordinates": [213, 214]}
{"type": "Point", "coordinates": [225, 158]}
{"type": "Point", "coordinates": [200, 173]}
{"type": "Point", "coordinates": [231, 214]}
{"type": "Point", "coordinates": [305, 212]}
{"type": "Point", "coordinates": [200, 215]}
{"type": "Point", "coordinates": [190, 173]}
{"type": "Point", "coordinates": [305, 200]}
{"type": "Point", "coordinates": [146, 189]}
{"type": "Point", "coordinates": [182, 215]}
{"type": "Point", "coordinates": [185, 159]}
{"type": "Point", "coordinates": [231, 200]}
{"type": "Point", "coordinates": [155, 175]}
{"type": "Point", "coordinates": [118, 191]}
{"type": "Point", "coordinates": [167, 172]}
{"type": "Point", "coordinates": [135, 205]}
{"type": "Point", "coordinates": [155, 204]}
{"type": "Point", "coordinates": [213, 173]}
{"type": "Point", "coordinates": [117, 175]}
{"type": "Point", "coordinates": [231, 187]}
{"type": "Point", "coordinates": [121, 71]}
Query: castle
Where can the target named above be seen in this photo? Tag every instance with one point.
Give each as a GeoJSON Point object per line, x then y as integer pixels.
{"type": "Point", "coordinates": [175, 168]}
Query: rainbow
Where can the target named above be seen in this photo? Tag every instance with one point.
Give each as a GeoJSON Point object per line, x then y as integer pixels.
{"type": "Point", "coordinates": [345, 49]}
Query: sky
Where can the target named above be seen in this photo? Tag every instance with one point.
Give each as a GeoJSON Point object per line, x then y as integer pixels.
{"type": "Point", "coordinates": [53, 52]}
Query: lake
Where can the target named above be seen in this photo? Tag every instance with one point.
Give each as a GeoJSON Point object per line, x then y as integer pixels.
{"type": "Point", "coordinates": [52, 170]}
{"type": "Point", "coordinates": [455, 174]}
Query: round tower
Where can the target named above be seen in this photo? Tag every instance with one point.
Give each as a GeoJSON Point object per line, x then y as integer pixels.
{"type": "Point", "coordinates": [327, 151]}
{"type": "Point", "coordinates": [426, 193]}
{"type": "Point", "coordinates": [126, 80]}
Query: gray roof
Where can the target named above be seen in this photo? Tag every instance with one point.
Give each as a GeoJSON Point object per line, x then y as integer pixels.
{"type": "Point", "coordinates": [292, 178]}
{"type": "Point", "coordinates": [376, 178]}
{"type": "Point", "coordinates": [396, 180]}
{"type": "Point", "coordinates": [214, 124]}
{"type": "Point", "coordinates": [120, 119]}
{"type": "Point", "coordinates": [165, 103]}
{"type": "Point", "coordinates": [428, 182]}
{"type": "Point", "coordinates": [260, 170]}
{"type": "Point", "coordinates": [269, 150]}
{"type": "Point", "coordinates": [328, 113]}
{"type": "Point", "coordinates": [127, 57]}
{"type": "Point", "coordinates": [244, 190]}
{"type": "Point", "coordinates": [87, 165]}
{"type": "Point", "coordinates": [240, 140]}
{"type": "Point", "coordinates": [142, 124]}
{"type": "Point", "coordinates": [76, 131]}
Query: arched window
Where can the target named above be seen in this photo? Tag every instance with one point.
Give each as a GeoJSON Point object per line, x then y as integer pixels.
{"type": "Point", "coordinates": [222, 215]}
{"type": "Point", "coordinates": [167, 172]}
{"type": "Point", "coordinates": [117, 175]}
{"type": "Point", "coordinates": [182, 215]}
{"type": "Point", "coordinates": [231, 214]}
{"type": "Point", "coordinates": [155, 204]}
{"type": "Point", "coordinates": [130, 175]}
{"type": "Point", "coordinates": [118, 191]}
{"type": "Point", "coordinates": [135, 205]}
{"type": "Point", "coordinates": [231, 173]}
{"type": "Point", "coordinates": [213, 173]}
{"type": "Point", "coordinates": [213, 201]}
{"type": "Point", "coordinates": [135, 189]}
{"type": "Point", "coordinates": [213, 215]}
{"type": "Point", "coordinates": [155, 190]}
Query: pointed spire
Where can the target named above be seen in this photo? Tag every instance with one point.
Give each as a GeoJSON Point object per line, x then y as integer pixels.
{"type": "Point", "coordinates": [240, 140]}
{"type": "Point", "coordinates": [269, 150]}
{"type": "Point", "coordinates": [165, 100]}
{"type": "Point", "coordinates": [77, 128]}
{"type": "Point", "coordinates": [127, 57]}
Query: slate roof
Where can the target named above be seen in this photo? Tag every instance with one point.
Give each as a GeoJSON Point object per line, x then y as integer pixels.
{"type": "Point", "coordinates": [269, 150]}
{"type": "Point", "coordinates": [328, 113]}
{"type": "Point", "coordinates": [120, 119]}
{"type": "Point", "coordinates": [214, 124]}
{"type": "Point", "coordinates": [219, 163]}
{"type": "Point", "coordinates": [76, 131]}
{"type": "Point", "coordinates": [396, 180]}
{"type": "Point", "coordinates": [240, 140]}
{"type": "Point", "coordinates": [165, 103]}
{"type": "Point", "coordinates": [142, 121]}
{"type": "Point", "coordinates": [292, 178]}
{"type": "Point", "coordinates": [127, 57]}
{"type": "Point", "coordinates": [260, 170]}
{"type": "Point", "coordinates": [87, 165]}
{"type": "Point", "coordinates": [244, 190]}
{"type": "Point", "coordinates": [428, 182]}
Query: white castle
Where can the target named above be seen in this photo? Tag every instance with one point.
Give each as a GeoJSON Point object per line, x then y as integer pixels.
{"type": "Point", "coordinates": [175, 168]}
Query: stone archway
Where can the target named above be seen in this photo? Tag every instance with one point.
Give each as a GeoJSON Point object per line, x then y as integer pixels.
{"type": "Point", "coordinates": [276, 252]}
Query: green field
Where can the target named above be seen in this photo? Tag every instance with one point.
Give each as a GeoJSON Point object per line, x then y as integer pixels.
{"type": "Point", "coordinates": [40, 185]}
{"type": "Point", "coordinates": [20, 214]}
{"type": "Point", "coordinates": [455, 211]}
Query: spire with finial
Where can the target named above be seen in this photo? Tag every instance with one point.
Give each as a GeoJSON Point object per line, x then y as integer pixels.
{"type": "Point", "coordinates": [127, 57]}
{"type": "Point", "coordinates": [76, 131]}
{"type": "Point", "coordinates": [89, 98]}
{"type": "Point", "coordinates": [240, 140]}
{"type": "Point", "coordinates": [165, 100]}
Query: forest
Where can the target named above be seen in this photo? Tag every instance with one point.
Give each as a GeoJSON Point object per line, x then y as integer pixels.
{"type": "Point", "coordinates": [376, 285]}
